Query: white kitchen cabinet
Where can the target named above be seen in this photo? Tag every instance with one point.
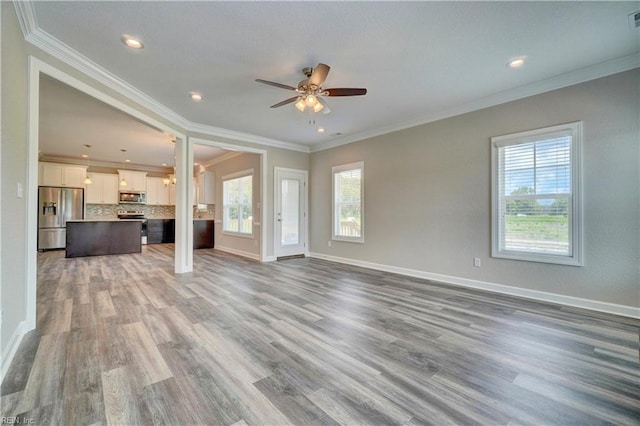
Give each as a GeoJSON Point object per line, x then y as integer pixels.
{"type": "Point", "coordinates": [157, 192]}
{"type": "Point", "coordinates": [206, 193]}
{"type": "Point", "coordinates": [136, 181]}
{"type": "Point", "coordinates": [103, 189]}
{"type": "Point", "coordinates": [172, 194]}
{"type": "Point", "coordinates": [54, 174]}
{"type": "Point", "coordinates": [194, 191]}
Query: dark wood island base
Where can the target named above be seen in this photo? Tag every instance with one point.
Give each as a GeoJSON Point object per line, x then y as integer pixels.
{"type": "Point", "coordinates": [95, 238]}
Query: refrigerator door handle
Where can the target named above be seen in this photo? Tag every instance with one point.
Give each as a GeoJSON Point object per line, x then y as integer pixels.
{"type": "Point", "coordinates": [61, 209]}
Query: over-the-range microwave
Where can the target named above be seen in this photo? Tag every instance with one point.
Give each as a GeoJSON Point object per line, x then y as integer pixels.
{"type": "Point", "coordinates": [133, 197]}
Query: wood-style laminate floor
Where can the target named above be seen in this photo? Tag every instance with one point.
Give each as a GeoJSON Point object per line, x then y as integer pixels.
{"type": "Point", "coordinates": [122, 341]}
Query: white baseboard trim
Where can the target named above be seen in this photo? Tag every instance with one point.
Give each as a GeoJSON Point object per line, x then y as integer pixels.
{"type": "Point", "coordinates": [594, 305]}
{"type": "Point", "coordinates": [253, 256]}
{"type": "Point", "coordinates": [269, 259]}
{"type": "Point", "coordinates": [12, 347]}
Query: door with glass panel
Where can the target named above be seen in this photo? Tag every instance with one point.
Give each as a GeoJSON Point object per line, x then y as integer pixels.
{"type": "Point", "coordinates": [290, 212]}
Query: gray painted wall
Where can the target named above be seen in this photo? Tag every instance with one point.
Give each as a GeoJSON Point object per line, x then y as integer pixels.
{"type": "Point", "coordinates": [229, 167]}
{"type": "Point", "coordinates": [276, 157]}
{"type": "Point", "coordinates": [14, 160]}
{"type": "Point", "coordinates": [427, 193]}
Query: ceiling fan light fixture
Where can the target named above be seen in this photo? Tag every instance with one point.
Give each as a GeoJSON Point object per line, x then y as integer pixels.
{"type": "Point", "coordinates": [309, 92]}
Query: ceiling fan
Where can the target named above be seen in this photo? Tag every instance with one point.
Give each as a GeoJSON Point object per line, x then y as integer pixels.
{"type": "Point", "coordinates": [310, 91]}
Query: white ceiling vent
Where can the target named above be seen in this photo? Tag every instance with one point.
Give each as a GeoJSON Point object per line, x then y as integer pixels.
{"type": "Point", "coordinates": [634, 20]}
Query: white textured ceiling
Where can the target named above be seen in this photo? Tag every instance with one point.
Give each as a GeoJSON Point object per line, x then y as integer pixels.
{"type": "Point", "coordinates": [417, 59]}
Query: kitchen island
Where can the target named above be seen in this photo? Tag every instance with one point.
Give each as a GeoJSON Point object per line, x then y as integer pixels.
{"type": "Point", "coordinates": [100, 237]}
{"type": "Point", "coordinates": [163, 231]}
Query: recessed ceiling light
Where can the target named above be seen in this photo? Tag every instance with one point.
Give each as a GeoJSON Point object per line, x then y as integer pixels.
{"type": "Point", "coordinates": [320, 129]}
{"type": "Point", "coordinates": [85, 156]}
{"type": "Point", "coordinates": [196, 164]}
{"type": "Point", "coordinates": [164, 164]}
{"type": "Point", "coordinates": [127, 161]}
{"type": "Point", "coordinates": [195, 96]}
{"type": "Point", "coordinates": [132, 42]}
{"type": "Point", "coordinates": [516, 62]}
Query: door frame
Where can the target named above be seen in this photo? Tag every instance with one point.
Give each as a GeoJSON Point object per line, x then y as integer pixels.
{"type": "Point", "coordinates": [305, 193]}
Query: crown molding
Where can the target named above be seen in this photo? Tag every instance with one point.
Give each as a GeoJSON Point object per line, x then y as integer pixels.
{"type": "Point", "coordinates": [49, 44]}
{"type": "Point", "coordinates": [56, 48]}
{"type": "Point", "coordinates": [603, 69]}
{"type": "Point", "coordinates": [224, 157]}
{"type": "Point", "coordinates": [26, 17]}
{"type": "Point", "coordinates": [106, 164]}
{"type": "Point", "coordinates": [245, 137]}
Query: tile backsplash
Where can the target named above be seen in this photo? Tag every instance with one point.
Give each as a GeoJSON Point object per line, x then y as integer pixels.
{"type": "Point", "coordinates": [110, 211]}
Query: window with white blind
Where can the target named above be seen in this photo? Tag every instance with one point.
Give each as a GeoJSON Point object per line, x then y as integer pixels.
{"type": "Point", "coordinates": [536, 207]}
{"type": "Point", "coordinates": [348, 189]}
{"type": "Point", "coordinates": [237, 203]}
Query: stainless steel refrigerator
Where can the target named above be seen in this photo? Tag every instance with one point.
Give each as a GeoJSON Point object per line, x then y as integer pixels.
{"type": "Point", "coordinates": [55, 207]}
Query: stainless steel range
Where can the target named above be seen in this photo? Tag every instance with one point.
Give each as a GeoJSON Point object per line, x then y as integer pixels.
{"type": "Point", "coordinates": [135, 214]}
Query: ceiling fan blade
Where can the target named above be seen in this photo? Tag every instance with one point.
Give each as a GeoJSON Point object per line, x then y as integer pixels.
{"type": "Point", "coordinates": [271, 83]}
{"type": "Point", "coordinates": [326, 109]}
{"type": "Point", "coordinates": [319, 74]}
{"type": "Point", "coordinates": [345, 92]}
{"type": "Point", "coordinates": [286, 101]}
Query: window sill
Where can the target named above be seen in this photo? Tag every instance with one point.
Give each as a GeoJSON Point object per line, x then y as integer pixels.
{"type": "Point", "coordinates": [238, 234]}
{"type": "Point", "coordinates": [535, 257]}
{"type": "Point", "coordinates": [348, 239]}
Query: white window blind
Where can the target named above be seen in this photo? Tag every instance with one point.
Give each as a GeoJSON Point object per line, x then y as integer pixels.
{"type": "Point", "coordinates": [535, 177]}
{"type": "Point", "coordinates": [348, 202]}
{"type": "Point", "coordinates": [237, 204]}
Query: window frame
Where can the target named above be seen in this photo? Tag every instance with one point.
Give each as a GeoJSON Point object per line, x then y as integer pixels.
{"type": "Point", "coordinates": [226, 178]}
{"type": "Point", "coordinates": [335, 170]}
{"type": "Point", "coordinates": [575, 257]}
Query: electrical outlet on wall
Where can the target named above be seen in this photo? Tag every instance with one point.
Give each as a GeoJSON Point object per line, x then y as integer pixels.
{"type": "Point", "coordinates": [329, 243]}
{"type": "Point", "coordinates": [476, 262]}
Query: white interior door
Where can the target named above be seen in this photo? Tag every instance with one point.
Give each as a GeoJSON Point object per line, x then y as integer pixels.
{"type": "Point", "coordinates": [291, 212]}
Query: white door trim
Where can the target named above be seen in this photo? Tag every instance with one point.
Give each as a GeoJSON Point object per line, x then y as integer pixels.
{"type": "Point", "coordinates": [305, 222]}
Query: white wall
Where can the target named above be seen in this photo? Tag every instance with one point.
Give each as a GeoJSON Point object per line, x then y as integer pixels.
{"type": "Point", "coordinates": [427, 194]}
{"type": "Point", "coordinates": [13, 169]}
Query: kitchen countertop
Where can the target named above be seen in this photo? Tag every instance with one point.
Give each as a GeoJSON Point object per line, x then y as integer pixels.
{"type": "Point", "coordinates": [115, 219]}
{"type": "Point", "coordinates": [105, 220]}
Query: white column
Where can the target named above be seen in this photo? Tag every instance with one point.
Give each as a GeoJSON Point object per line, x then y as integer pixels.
{"type": "Point", "coordinates": [184, 206]}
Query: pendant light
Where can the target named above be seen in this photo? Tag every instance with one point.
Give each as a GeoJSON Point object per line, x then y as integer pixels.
{"type": "Point", "coordinates": [87, 179]}
{"type": "Point", "coordinates": [123, 182]}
